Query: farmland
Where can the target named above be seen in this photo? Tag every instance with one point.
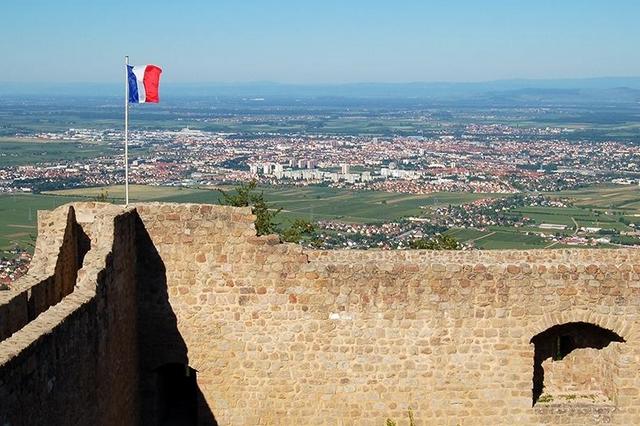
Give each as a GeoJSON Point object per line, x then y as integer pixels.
{"type": "Point", "coordinates": [599, 207]}
{"type": "Point", "coordinates": [624, 198]}
{"type": "Point", "coordinates": [14, 152]}
{"type": "Point", "coordinates": [312, 203]}
{"type": "Point", "coordinates": [18, 215]}
{"type": "Point", "coordinates": [18, 211]}
{"type": "Point", "coordinates": [609, 207]}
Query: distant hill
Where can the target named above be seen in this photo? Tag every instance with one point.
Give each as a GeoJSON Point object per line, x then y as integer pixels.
{"type": "Point", "coordinates": [592, 90]}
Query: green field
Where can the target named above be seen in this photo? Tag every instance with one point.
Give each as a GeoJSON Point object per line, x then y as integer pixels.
{"type": "Point", "coordinates": [510, 238]}
{"type": "Point", "coordinates": [599, 206]}
{"type": "Point", "coordinates": [606, 197]}
{"type": "Point", "coordinates": [560, 216]}
{"type": "Point", "coordinates": [315, 203]}
{"type": "Point", "coordinates": [115, 193]}
{"type": "Point", "coordinates": [18, 214]}
{"type": "Point", "coordinates": [465, 234]}
{"type": "Point", "coordinates": [498, 238]}
{"type": "Point", "coordinates": [312, 203]}
{"type": "Point", "coordinates": [16, 152]}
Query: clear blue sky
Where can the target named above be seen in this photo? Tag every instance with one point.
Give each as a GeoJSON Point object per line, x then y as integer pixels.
{"type": "Point", "coordinates": [325, 41]}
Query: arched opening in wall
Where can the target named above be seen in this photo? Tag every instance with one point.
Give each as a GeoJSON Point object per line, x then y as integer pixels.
{"type": "Point", "coordinates": [575, 362]}
{"type": "Point", "coordinates": [177, 395]}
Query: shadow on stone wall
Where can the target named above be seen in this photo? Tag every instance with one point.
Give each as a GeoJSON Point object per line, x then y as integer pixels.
{"type": "Point", "coordinates": [75, 245]}
{"type": "Point", "coordinates": [169, 390]}
{"type": "Point", "coordinates": [35, 299]}
{"type": "Point", "coordinates": [560, 340]}
{"type": "Point", "coordinates": [68, 264]}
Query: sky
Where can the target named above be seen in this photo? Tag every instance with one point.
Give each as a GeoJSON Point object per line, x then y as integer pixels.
{"type": "Point", "coordinates": [326, 41]}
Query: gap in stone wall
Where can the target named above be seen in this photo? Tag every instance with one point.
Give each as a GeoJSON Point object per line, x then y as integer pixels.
{"type": "Point", "coordinates": [574, 362]}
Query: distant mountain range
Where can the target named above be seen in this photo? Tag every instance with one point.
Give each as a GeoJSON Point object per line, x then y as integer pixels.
{"type": "Point", "coordinates": [590, 90]}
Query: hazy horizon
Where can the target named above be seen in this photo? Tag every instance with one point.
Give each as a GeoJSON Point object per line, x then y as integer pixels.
{"type": "Point", "coordinates": [603, 89]}
{"type": "Point", "coordinates": [338, 83]}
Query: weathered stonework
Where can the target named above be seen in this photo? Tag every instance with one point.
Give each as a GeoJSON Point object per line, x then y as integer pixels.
{"type": "Point", "coordinates": [280, 335]}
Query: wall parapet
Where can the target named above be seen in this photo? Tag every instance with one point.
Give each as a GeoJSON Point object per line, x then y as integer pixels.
{"type": "Point", "coordinates": [272, 333]}
{"type": "Point", "coordinates": [564, 259]}
{"type": "Point", "coordinates": [58, 359]}
{"type": "Point", "coordinates": [52, 275]}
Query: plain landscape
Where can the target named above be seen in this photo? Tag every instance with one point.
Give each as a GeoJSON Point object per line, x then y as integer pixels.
{"type": "Point", "coordinates": [370, 159]}
{"type": "Point", "coordinates": [512, 164]}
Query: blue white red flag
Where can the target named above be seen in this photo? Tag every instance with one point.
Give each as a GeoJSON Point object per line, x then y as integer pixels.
{"type": "Point", "coordinates": [143, 83]}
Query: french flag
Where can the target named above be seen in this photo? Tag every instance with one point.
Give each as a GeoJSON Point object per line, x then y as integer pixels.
{"type": "Point", "coordinates": [143, 83]}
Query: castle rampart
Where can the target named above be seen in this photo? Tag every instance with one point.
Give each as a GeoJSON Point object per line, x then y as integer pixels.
{"type": "Point", "coordinates": [252, 331]}
{"type": "Point", "coordinates": [74, 363]}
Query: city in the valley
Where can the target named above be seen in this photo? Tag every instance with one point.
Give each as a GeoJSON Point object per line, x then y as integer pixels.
{"type": "Point", "coordinates": [512, 175]}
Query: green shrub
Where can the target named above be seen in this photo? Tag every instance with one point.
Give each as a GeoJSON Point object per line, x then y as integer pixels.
{"type": "Point", "coordinates": [244, 196]}
{"type": "Point", "coordinates": [299, 231]}
{"type": "Point", "coordinates": [439, 242]}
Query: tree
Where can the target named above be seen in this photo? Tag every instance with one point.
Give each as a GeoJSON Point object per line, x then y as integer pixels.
{"type": "Point", "coordinates": [438, 242]}
{"type": "Point", "coordinates": [299, 231]}
{"type": "Point", "coordinates": [244, 196]}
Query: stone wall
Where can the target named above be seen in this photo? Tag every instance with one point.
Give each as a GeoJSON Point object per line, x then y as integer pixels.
{"type": "Point", "coordinates": [55, 265]}
{"type": "Point", "coordinates": [583, 372]}
{"type": "Point", "coordinates": [275, 334]}
{"type": "Point", "coordinates": [279, 335]}
{"type": "Point", "coordinates": [76, 362]}
{"type": "Point", "coordinates": [577, 360]}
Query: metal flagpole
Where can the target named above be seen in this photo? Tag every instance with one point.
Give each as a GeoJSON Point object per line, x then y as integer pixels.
{"type": "Point", "coordinates": [126, 130]}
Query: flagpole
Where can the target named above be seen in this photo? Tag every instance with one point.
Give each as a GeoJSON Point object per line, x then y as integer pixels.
{"type": "Point", "coordinates": [126, 130]}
